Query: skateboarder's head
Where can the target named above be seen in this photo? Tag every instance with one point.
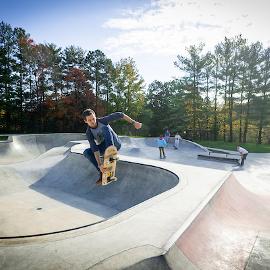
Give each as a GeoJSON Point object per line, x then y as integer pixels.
{"type": "Point", "coordinates": [89, 117]}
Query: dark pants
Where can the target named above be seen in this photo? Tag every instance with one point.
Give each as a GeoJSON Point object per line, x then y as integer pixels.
{"type": "Point", "coordinates": [243, 159]}
{"type": "Point", "coordinates": [110, 138]}
{"type": "Point", "coordinates": [161, 152]}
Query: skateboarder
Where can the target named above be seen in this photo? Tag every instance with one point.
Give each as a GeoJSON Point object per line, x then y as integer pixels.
{"type": "Point", "coordinates": [167, 135]}
{"type": "Point", "coordinates": [177, 139]}
{"type": "Point", "coordinates": [100, 136]}
{"type": "Point", "coordinates": [243, 153]}
{"type": "Point", "coordinates": [161, 145]}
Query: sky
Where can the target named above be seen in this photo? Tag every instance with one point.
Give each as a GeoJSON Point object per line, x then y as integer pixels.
{"type": "Point", "coordinates": [152, 32]}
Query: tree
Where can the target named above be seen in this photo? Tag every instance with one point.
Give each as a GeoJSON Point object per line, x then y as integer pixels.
{"type": "Point", "coordinates": [55, 72]}
{"type": "Point", "coordinates": [72, 57]}
{"type": "Point", "coordinates": [193, 65]}
{"type": "Point", "coordinates": [22, 70]}
{"type": "Point", "coordinates": [264, 94]}
{"type": "Point", "coordinates": [253, 70]}
{"type": "Point", "coordinates": [99, 70]}
{"type": "Point", "coordinates": [128, 87]}
{"type": "Point", "coordinates": [7, 75]}
{"type": "Point", "coordinates": [207, 75]}
{"type": "Point", "coordinates": [216, 76]}
{"type": "Point", "coordinates": [229, 51]}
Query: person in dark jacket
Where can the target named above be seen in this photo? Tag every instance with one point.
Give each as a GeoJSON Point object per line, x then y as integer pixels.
{"type": "Point", "coordinates": [100, 136]}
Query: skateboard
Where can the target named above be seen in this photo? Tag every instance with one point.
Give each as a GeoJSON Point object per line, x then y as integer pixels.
{"type": "Point", "coordinates": [109, 163]}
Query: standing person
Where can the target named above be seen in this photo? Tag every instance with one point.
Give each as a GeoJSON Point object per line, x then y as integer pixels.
{"type": "Point", "coordinates": [167, 135]}
{"type": "Point", "coordinates": [161, 145]}
{"type": "Point", "coordinates": [100, 136]}
{"type": "Point", "coordinates": [177, 139]}
{"type": "Point", "coordinates": [243, 153]}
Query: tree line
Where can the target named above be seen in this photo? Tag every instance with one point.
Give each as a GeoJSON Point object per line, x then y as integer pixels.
{"type": "Point", "coordinates": [220, 94]}
{"type": "Point", "coordinates": [44, 88]}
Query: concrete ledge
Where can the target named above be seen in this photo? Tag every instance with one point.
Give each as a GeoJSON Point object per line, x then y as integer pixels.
{"type": "Point", "coordinates": [215, 157]}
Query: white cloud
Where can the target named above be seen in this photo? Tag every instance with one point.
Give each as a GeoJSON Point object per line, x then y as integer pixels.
{"type": "Point", "coordinates": [168, 26]}
{"type": "Point", "coordinates": [156, 33]}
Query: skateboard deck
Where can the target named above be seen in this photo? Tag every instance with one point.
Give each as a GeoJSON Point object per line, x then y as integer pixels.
{"type": "Point", "coordinates": [109, 163]}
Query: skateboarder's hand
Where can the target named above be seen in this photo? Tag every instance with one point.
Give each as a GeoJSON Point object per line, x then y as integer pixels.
{"type": "Point", "coordinates": [137, 125]}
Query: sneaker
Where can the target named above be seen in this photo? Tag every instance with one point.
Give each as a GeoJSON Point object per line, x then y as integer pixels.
{"type": "Point", "coordinates": [99, 181]}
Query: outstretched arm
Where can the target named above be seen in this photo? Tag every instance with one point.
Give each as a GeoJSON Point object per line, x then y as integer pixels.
{"type": "Point", "coordinates": [117, 116]}
{"type": "Point", "coordinates": [136, 124]}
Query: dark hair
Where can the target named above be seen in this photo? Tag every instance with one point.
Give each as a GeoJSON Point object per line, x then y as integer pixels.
{"type": "Point", "coordinates": [87, 112]}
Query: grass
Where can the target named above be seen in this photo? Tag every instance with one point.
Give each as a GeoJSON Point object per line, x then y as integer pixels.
{"type": "Point", "coordinates": [251, 147]}
{"type": "Point", "coordinates": [3, 138]}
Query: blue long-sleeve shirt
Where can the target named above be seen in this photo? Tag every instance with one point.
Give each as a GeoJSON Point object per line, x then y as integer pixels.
{"type": "Point", "coordinates": [95, 135]}
{"type": "Point", "coordinates": [161, 142]}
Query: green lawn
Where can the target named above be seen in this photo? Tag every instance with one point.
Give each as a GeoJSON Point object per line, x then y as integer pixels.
{"type": "Point", "coordinates": [251, 147]}
{"type": "Point", "coordinates": [3, 138]}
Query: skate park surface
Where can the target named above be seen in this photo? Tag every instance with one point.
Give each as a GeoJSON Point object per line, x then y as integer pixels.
{"type": "Point", "coordinates": [181, 212]}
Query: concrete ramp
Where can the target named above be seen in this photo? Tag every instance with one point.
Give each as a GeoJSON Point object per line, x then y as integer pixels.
{"type": "Point", "coordinates": [227, 234]}
{"type": "Point", "coordinates": [20, 148]}
{"type": "Point", "coordinates": [136, 182]}
{"type": "Point", "coordinates": [179, 213]}
{"type": "Point", "coordinates": [184, 145]}
{"type": "Point", "coordinates": [66, 196]}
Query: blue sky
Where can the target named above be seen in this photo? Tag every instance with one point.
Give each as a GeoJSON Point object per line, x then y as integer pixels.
{"type": "Point", "coordinates": [152, 32]}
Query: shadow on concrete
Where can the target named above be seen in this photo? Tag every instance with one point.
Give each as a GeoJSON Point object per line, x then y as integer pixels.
{"type": "Point", "coordinates": [75, 176]}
